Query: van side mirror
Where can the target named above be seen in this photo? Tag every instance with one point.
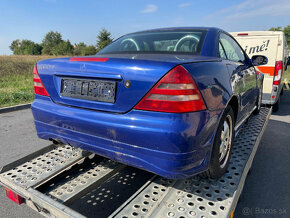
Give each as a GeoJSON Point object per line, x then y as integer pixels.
{"type": "Point", "coordinates": [259, 60]}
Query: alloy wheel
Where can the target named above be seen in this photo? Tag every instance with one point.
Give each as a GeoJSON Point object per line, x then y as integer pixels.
{"type": "Point", "coordinates": [226, 141]}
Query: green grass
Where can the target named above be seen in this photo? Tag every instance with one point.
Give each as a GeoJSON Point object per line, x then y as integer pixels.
{"type": "Point", "coordinates": [16, 85]}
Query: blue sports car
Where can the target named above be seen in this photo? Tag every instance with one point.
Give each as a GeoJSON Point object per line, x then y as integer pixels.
{"type": "Point", "coordinates": [169, 101]}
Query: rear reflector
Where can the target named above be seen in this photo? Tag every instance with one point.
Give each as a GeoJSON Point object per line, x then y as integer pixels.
{"type": "Point", "coordinates": [278, 72]}
{"type": "Point", "coordinates": [14, 197]}
{"type": "Point", "coordinates": [243, 34]}
{"type": "Point", "coordinates": [38, 86]}
{"type": "Point", "coordinates": [89, 59]}
{"type": "Point", "coordinates": [176, 92]}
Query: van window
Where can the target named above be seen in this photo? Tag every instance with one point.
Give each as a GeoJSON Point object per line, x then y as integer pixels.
{"type": "Point", "coordinates": [232, 49]}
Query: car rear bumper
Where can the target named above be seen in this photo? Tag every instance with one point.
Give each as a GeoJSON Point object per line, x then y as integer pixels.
{"type": "Point", "coordinates": [171, 145]}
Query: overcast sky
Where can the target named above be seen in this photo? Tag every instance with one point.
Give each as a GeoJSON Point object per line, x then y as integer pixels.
{"type": "Point", "coordinates": [81, 20]}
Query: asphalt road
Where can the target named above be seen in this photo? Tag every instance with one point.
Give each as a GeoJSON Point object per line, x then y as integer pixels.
{"type": "Point", "coordinates": [266, 192]}
{"type": "Point", "coordinates": [17, 139]}
{"type": "Point", "coordinates": [267, 189]}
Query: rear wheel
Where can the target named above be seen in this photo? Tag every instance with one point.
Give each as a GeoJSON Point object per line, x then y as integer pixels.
{"type": "Point", "coordinates": [222, 146]}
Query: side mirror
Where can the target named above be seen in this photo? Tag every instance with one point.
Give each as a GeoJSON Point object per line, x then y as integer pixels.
{"type": "Point", "coordinates": [259, 60]}
{"type": "Point", "coordinates": [288, 62]}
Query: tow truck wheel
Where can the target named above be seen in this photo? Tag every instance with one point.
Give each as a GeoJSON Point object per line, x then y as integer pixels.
{"type": "Point", "coordinates": [222, 146]}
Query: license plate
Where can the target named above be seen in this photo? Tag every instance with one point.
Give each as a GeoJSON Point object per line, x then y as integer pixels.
{"type": "Point", "coordinates": [94, 90]}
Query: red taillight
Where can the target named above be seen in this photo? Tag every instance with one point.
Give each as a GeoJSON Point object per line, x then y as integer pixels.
{"type": "Point", "coordinates": [176, 92]}
{"type": "Point", "coordinates": [14, 197]}
{"type": "Point", "coordinates": [38, 86]}
{"type": "Point", "coordinates": [243, 34]}
{"type": "Point", "coordinates": [278, 72]}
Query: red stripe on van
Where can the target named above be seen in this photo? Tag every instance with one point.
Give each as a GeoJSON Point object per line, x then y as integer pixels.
{"type": "Point", "coordinates": [267, 70]}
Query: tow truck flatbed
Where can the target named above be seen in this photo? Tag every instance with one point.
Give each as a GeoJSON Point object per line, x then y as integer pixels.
{"type": "Point", "coordinates": [56, 177]}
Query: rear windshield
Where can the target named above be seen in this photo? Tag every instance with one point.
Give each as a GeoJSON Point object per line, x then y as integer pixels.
{"type": "Point", "coordinates": [189, 42]}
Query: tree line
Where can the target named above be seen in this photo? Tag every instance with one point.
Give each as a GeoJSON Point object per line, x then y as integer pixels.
{"type": "Point", "coordinates": [53, 44]}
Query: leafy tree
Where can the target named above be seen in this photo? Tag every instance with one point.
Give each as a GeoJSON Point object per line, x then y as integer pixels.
{"type": "Point", "coordinates": [25, 47]}
{"type": "Point", "coordinates": [33, 49]}
{"type": "Point", "coordinates": [287, 34]}
{"type": "Point", "coordinates": [82, 49]}
{"type": "Point", "coordinates": [78, 48]}
{"type": "Point", "coordinates": [62, 48]}
{"type": "Point", "coordinates": [53, 44]}
{"type": "Point", "coordinates": [275, 28]}
{"type": "Point", "coordinates": [50, 42]}
{"type": "Point", "coordinates": [89, 50]}
{"type": "Point", "coordinates": [15, 46]}
{"type": "Point", "coordinates": [103, 39]}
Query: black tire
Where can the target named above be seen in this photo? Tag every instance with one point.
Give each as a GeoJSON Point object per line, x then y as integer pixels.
{"type": "Point", "coordinates": [218, 167]}
{"type": "Point", "coordinates": [276, 105]}
{"type": "Point", "coordinates": [259, 102]}
{"type": "Point", "coordinates": [282, 91]}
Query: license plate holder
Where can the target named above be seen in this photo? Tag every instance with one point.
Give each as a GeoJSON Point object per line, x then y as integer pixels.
{"type": "Point", "coordinates": [88, 89]}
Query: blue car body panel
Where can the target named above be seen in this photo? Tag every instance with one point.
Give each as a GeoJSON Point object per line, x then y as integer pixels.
{"type": "Point", "coordinates": [142, 73]}
{"type": "Point", "coordinates": [165, 143]}
{"type": "Point", "coordinates": [173, 145]}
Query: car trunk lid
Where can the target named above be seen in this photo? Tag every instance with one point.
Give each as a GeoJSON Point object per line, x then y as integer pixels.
{"type": "Point", "coordinates": [130, 77]}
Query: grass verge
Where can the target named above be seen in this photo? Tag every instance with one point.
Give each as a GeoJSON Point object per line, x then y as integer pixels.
{"type": "Point", "coordinates": [16, 85]}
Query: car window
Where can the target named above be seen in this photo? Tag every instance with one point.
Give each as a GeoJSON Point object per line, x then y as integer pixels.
{"type": "Point", "coordinates": [162, 41]}
{"type": "Point", "coordinates": [222, 52]}
{"type": "Point", "coordinates": [232, 49]}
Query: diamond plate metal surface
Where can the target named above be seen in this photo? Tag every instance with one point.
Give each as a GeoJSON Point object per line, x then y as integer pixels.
{"type": "Point", "coordinates": [80, 181]}
{"type": "Point", "coordinates": [196, 196]}
{"type": "Point", "coordinates": [44, 166]}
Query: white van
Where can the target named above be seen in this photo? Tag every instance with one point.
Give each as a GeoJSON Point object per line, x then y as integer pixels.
{"type": "Point", "coordinates": [273, 45]}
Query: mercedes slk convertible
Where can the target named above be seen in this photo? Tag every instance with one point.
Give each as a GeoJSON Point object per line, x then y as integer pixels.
{"type": "Point", "coordinates": [169, 101]}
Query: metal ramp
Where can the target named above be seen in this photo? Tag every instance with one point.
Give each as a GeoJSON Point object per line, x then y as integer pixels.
{"type": "Point", "coordinates": [199, 197]}
{"type": "Point", "coordinates": [57, 177]}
